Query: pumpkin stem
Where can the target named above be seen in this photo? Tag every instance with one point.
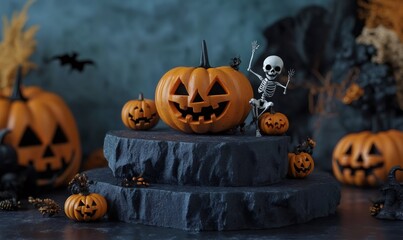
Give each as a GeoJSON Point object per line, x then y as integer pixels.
{"type": "Point", "coordinates": [3, 133]}
{"type": "Point", "coordinates": [17, 93]}
{"type": "Point", "coordinates": [141, 97]}
{"type": "Point", "coordinates": [79, 184]}
{"type": "Point", "coordinates": [306, 146]}
{"type": "Point", "coordinates": [204, 63]}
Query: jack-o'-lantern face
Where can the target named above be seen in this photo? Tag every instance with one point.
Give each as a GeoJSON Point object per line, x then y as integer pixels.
{"type": "Point", "coordinates": [43, 132]}
{"type": "Point", "coordinates": [203, 99]}
{"type": "Point", "coordinates": [140, 114]}
{"type": "Point", "coordinates": [364, 159]}
{"type": "Point", "coordinates": [273, 123]}
{"type": "Point", "coordinates": [300, 164]}
{"type": "Point", "coordinates": [198, 106]}
{"type": "Point", "coordinates": [89, 207]}
{"type": "Point", "coordinates": [49, 154]}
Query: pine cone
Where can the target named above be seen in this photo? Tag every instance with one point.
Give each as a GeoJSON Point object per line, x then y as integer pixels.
{"type": "Point", "coordinates": [10, 204]}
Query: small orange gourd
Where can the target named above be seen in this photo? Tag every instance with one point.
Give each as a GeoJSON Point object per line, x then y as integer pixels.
{"type": "Point", "coordinates": [273, 123]}
{"type": "Point", "coordinates": [140, 114]}
{"type": "Point", "coordinates": [82, 205]}
{"type": "Point", "coordinates": [300, 162]}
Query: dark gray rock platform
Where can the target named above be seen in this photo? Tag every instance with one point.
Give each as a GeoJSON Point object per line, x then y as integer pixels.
{"type": "Point", "coordinates": [172, 157]}
{"type": "Point", "coordinates": [219, 208]}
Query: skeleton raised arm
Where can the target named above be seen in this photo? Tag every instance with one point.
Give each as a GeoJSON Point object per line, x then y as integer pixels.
{"type": "Point", "coordinates": [255, 46]}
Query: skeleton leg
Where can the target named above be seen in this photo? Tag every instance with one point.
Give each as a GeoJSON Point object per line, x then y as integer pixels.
{"type": "Point", "coordinates": [255, 103]}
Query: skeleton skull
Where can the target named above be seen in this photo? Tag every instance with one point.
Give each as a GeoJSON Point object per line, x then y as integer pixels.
{"type": "Point", "coordinates": [272, 66]}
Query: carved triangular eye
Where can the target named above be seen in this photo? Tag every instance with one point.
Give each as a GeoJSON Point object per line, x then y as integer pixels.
{"type": "Point", "coordinates": [29, 138]}
{"type": "Point", "coordinates": [59, 136]}
{"type": "Point", "coordinates": [349, 150]}
{"type": "Point", "coordinates": [217, 89]}
{"type": "Point", "coordinates": [81, 203]}
{"type": "Point", "coordinates": [94, 203]}
{"type": "Point", "coordinates": [374, 150]}
{"type": "Point", "coordinates": [181, 90]}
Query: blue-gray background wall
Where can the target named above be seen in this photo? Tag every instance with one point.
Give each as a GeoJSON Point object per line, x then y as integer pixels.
{"type": "Point", "coordinates": [135, 42]}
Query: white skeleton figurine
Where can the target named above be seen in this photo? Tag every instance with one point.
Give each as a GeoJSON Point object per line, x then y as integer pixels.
{"type": "Point", "coordinates": [272, 67]}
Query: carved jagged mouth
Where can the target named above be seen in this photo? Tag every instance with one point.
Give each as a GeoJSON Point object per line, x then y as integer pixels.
{"type": "Point", "coordinates": [368, 171]}
{"type": "Point", "coordinates": [142, 119]}
{"type": "Point", "coordinates": [302, 169]}
{"type": "Point", "coordinates": [206, 113]}
{"type": "Point", "coordinates": [86, 214]}
{"type": "Point", "coordinates": [49, 173]}
{"type": "Point", "coordinates": [276, 125]}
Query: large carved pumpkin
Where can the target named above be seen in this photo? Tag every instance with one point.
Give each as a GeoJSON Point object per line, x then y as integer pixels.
{"type": "Point", "coordinates": [42, 131]}
{"type": "Point", "coordinates": [365, 158]}
{"type": "Point", "coordinates": [203, 99]}
{"type": "Point", "coordinates": [140, 114]}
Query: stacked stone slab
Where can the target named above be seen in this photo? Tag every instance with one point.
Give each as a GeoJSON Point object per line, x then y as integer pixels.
{"type": "Point", "coordinates": [200, 182]}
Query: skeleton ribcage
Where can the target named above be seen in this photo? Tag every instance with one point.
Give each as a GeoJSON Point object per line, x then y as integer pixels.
{"type": "Point", "coordinates": [267, 88]}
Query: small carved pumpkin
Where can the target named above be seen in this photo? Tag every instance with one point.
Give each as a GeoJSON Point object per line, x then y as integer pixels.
{"type": "Point", "coordinates": [300, 164]}
{"type": "Point", "coordinates": [203, 99]}
{"type": "Point", "coordinates": [140, 114]}
{"type": "Point", "coordinates": [365, 158]}
{"type": "Point", "coordinates": [43, 132]}
{"type": "Point", "coordinates": [273, 123]}
{"type": "Point", "coordinates": [83, 205]}
{"type": "Point", "coordinates": [80, 207]}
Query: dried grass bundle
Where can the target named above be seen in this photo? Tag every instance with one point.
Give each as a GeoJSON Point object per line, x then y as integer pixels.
{"type": "Point", "coordinates": [17, 46]}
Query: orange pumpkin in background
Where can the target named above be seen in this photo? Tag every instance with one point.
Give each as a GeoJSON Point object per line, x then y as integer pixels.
{"type": "Point", "coordinates": [365, 158]}
{"type": "Point", "coordinates": [273, 123]}
{"type": "Point", "coordinates": [203, 99]}
{"type": "Point", "coordinates": [43, 131]}
{"type": "Point", "coordinates": [140, 114]}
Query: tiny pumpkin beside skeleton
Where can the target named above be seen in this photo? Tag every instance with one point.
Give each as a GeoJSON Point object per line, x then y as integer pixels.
{"type": "Point", "coordinates": [83, 205]}
{"type": "Point", "coordinates": [140, 114]}
{"type": "Point", "coordinates": [300, 162]}
{"type": "Point", "coordinates": [273, 123]}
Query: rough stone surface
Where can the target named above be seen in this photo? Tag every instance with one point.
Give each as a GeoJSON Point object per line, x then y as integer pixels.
{"type": "Point", "coordinates": [219, 208]}
{"type": "Point", "coordinates": [172, 157]}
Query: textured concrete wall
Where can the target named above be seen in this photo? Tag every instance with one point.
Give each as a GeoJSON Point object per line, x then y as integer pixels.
{"type": "Point", "coordinates": [134, 43]}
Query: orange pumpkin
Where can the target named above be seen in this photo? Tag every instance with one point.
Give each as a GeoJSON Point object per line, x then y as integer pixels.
{"type": "Point", "coordinates": [273, 123]}
{"type": "Point", "coordinates": [140, 114]}
{"type": "Point", "coordinates": [43, 132]}
{"type": "Point", "coordinates": [365, 158]}
{"type": "Point", "coordinates": [300, 165]}
{"type": "Point", "coordinates": [203, 99]}
{"type": "Point", "coordinates": [85, 207]}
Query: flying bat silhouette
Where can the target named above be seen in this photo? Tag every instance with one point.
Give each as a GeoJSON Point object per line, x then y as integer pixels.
{"type": "Point", "coordinates": [72, 61]}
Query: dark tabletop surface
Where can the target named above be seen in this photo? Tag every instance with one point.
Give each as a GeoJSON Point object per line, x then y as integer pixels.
{"type": "Point", "coordinates": [352, 221]}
